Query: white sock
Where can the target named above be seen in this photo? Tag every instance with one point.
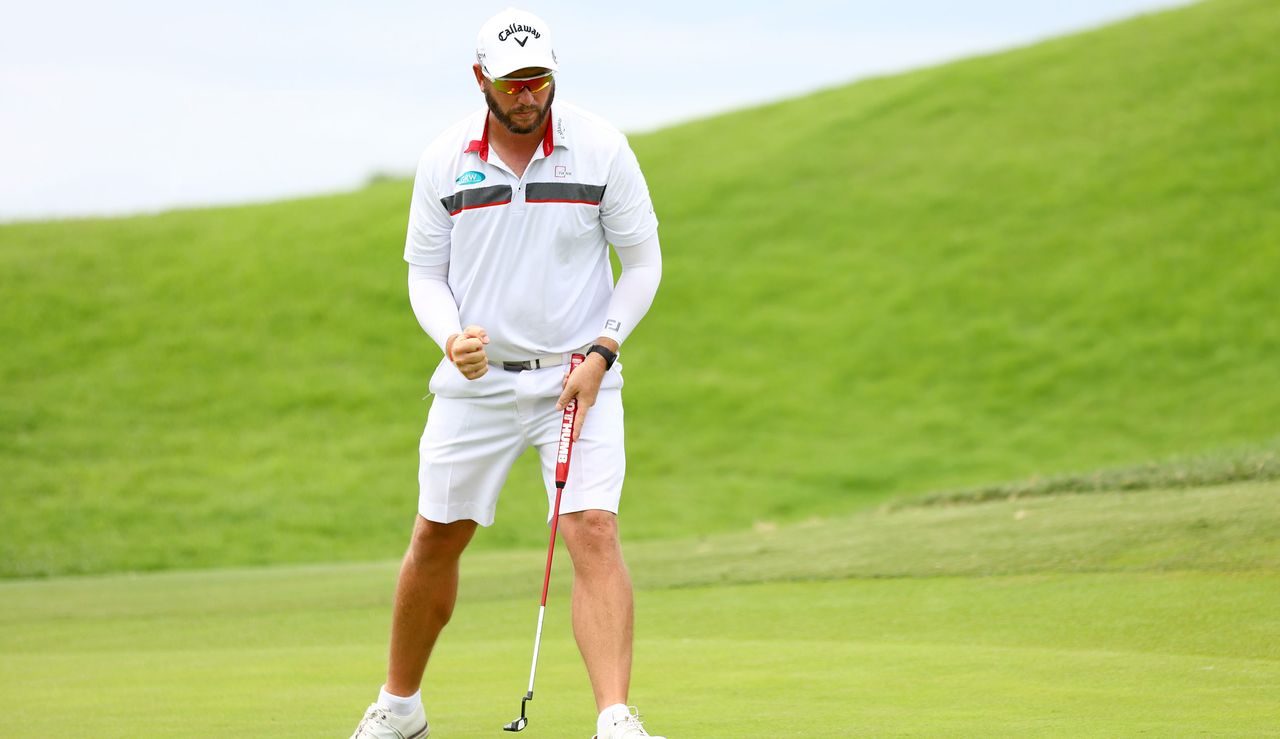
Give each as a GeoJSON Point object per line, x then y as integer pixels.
{"type": "Point", "coordinates": [610, 716]}
{"type": "Point", "coordinates": [397, 705]}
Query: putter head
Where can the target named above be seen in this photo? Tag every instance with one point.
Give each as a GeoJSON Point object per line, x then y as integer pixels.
{"type": "Point", "coordinates": [520, 723]}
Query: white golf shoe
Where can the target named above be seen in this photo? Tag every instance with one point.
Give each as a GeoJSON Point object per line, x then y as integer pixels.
{"type": "Point", "coordinates": [379, 723]}
{"type": "Point", "coordinates": [627, 728]}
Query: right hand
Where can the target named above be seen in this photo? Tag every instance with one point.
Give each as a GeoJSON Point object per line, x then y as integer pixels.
{"type": "Point", "coordinates": [466, 351]}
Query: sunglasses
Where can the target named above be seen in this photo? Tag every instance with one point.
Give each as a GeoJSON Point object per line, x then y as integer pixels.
{"type": "Point", "coordinates": [513, 85]}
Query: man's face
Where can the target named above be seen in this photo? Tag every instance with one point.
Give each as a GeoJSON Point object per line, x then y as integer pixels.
{"type": "Point", "coordinates": [524, 111]}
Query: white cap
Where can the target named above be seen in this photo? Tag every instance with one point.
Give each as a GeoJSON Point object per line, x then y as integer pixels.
{"type": "Point", "coordinates": [514, 39]}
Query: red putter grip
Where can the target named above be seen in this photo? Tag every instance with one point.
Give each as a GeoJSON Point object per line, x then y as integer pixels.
{"type": "Point", "coordinates": [565, 451]}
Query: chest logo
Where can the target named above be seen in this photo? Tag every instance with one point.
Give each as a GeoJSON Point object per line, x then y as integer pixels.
{"type": "Point", "coordinates": [562, 171]}
{"type": "Point", "coordinates": [470, 178]}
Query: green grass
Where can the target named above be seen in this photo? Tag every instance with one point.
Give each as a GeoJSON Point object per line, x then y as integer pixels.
{"type": "Point", "coordinates": [1024, 265]}
{"type": "Point", "coordinates": [1118, 614]}
{"type": "Point", "coordinates": [1011, 268]}
{"type": "Point", "coordinates": [1188, 472]}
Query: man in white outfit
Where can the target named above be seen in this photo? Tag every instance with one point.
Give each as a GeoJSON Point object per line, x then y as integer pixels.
{"type": "Point", "coordinates": [513, 212]}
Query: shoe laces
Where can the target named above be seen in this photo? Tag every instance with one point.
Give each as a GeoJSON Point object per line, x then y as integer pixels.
{"type": "Point", "coordinates": [631, 725]}
{"type": "Point", "coordinates": [375, 715]}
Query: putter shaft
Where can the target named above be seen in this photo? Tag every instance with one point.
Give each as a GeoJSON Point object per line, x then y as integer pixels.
{"type": "Point", "coordinates": [563, 455]}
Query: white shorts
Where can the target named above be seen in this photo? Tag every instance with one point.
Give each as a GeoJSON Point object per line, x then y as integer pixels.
{"type": "Point", "coordinates": [477, 428]}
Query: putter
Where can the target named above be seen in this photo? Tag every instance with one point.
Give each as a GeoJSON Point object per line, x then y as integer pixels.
{"type": "Point", "coordinates": [562, 474]}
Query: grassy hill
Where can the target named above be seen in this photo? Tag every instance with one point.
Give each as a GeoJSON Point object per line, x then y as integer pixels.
{"type": "Point", "coordinates": [1053, 259]}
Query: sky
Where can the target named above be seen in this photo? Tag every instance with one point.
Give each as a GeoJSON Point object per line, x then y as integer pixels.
{"type": "Point", "coordinates": [139, 105]}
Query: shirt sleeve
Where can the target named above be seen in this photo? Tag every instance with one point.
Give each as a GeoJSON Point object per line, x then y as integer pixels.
{"type": "Point", "coordinates": [637, 285]}
{"type": "Point", "coordinates": [433, 302]}
{"type": "Point", "coordinates": [626, 211]}
{"type": "Point", "coordinates": [427, 242]}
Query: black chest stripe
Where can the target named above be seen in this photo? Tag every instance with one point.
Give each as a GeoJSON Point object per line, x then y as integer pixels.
{"type": "Point", "coordinates": [477, 197]}
{"type": "Point", "coordinates": [564, 192]}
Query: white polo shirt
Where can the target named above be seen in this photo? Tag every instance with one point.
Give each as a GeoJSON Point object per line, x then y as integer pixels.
{"type": "Point", "coordinates": [528, 256]}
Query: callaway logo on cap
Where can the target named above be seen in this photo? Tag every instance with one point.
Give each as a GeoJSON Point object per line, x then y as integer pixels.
{"type": "Point", "coordinates": [510, 33]}
{"type": "Point", "coordinates": [514, 39]}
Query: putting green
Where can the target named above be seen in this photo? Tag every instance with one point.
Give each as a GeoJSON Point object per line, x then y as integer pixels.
{"type": "Point", "coordinates": [1055, 641]}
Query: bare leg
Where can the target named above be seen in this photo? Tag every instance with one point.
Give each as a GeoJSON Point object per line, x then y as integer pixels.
{"type": "Point", "coordinates": [425, 595]}
{"type": "Point", "coordinates": [603, 609]}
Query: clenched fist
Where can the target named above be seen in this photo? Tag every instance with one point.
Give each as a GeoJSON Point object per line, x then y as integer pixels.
{"type": "Point", "coordinates": [466, 351]}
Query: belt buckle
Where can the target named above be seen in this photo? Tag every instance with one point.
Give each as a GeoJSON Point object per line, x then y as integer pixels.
{"type": "Point", "coordinates": [515, 366]}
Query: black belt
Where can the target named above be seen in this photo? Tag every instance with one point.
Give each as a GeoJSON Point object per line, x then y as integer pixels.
{"type": "Point", "coordinates": [531, 364]}
{"type": "Point", "coordinates": [546, 360]}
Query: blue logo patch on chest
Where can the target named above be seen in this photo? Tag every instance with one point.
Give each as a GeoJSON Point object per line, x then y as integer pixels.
{"type": "Point", "coordinates": [470, 178]}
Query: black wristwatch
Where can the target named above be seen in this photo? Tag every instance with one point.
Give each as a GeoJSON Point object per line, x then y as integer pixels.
{"type": "Point", "coordinates": [609, 356]}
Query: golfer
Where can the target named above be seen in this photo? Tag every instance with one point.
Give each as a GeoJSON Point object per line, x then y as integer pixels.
{"type": "Point", "coordinates": [513, 212]}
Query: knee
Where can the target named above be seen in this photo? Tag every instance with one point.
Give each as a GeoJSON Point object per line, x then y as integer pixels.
{"type": "Point", "coordinates": [439, 542]}
{"type": "Point", "coordinates": [593, 534]}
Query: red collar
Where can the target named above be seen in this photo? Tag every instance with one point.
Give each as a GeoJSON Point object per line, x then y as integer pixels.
{"type": "Point", "coordinates": [548, 143]}
{"type": "Point", "coordinates": [481, 145]}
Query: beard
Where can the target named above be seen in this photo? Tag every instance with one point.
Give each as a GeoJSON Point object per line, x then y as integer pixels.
{"type": "Point", "coordinates": [511, 125]}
